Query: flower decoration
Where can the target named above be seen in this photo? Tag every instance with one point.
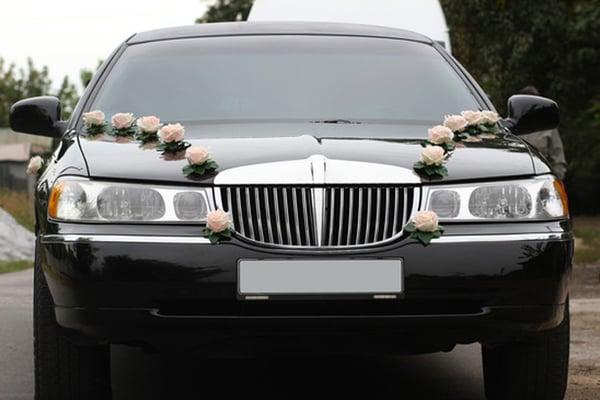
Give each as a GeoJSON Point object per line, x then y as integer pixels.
{"type": "Point", "coordinates": [481, 122]}
{"type": "Point", "coordinates": [219, 226]}
{"type": "Point", "coordinates": [171, 137]}
{"type": "Point", "coordinates": [424, 227]}
{"type": "Point", "coordinates": [122, 124]}
{"type": "Point", "coordinates": [442, 136]}
{"type": "Point", "coordinates": [35, 166]}
{"type": "Point", "coordinates": [147, 128]}
{"type": "Point", "coordinates": [456, 123]}
{"type": "Point", "coordinates": [199, 161]}
{"type": "Point", "coordinates": [432, 162]}
{"type": "Point", "coordinates": [94, 122]}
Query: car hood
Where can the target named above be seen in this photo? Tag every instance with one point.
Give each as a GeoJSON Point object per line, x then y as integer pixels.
{"type": "Point", "coordinates": [368, 152]}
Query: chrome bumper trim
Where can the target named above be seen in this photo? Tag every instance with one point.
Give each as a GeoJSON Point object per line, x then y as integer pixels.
{"type": "Point", "coordinates": [77, 238]}
{"type": "Point", "coordinates": [513, 237]}
{"type": "Point", "coordinates": [123, 239]}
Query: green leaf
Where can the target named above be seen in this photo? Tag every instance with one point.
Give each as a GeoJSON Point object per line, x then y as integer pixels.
{"type": "Point", "coordinates": [410, 227]}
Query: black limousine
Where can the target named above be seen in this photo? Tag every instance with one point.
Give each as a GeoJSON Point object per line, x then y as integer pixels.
{"type": "Point", "coordinates": [249, 188]}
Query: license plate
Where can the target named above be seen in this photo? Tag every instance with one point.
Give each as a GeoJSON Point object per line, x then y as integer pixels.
{"type": "Point", "coordinates": [314, 277]}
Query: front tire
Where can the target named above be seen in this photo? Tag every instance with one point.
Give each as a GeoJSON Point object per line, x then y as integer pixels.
{"type": "Point", "coordinates": [535, 369]}
{"type": "Point", "coordinates": [64, 370]}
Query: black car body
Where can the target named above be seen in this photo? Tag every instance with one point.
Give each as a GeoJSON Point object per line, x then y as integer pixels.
{"type": "Point", "coordinates": [345, 180]}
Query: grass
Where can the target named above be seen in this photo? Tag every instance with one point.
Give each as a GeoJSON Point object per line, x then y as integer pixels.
{"type": "Point", "coordinates": [587, 246]}
{"type": "Point", "coordinates": [13, 266]}
{"type": "Point", "coordinates": [20, 206]}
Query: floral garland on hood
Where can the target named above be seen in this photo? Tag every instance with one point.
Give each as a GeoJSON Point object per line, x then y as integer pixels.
{"type": "Point", "coordinates": [469, 126]}
{"type": "Point", "coordinates": [149, 129]}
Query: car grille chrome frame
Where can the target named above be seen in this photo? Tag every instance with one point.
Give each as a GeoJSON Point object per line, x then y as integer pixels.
{"type": "Point", "coordinates": [328, 216]}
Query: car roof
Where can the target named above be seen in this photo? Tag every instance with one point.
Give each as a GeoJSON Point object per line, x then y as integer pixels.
{"type": "Point", "coordinates": [275, 28]}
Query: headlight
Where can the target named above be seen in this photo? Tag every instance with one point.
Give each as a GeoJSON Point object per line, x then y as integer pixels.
{"type": "Point", "coordinates": [79, 200]}
{"type": "Point", "coordinates": [539, 198]}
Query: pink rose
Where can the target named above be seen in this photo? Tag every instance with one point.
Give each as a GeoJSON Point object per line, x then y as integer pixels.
{"type": "Point", "coordinates": [457, 123]}
{"type": "Point", "coordinates": [149, 124]}
{"type": "Point", "coordinates": [473, 117]}
{"type": "Point", "coordinates": [426, 221]}
{"type": "Point", "coordinates": [122, 120]}
{"type": "Point", "coordinates": [218, 221]}
{"type": "Point", "coordinates": [433, 155]}
{"type": "Point", "coordinates": [197, 155]}
{"type": "Point", "coordinates": [440, 134]}
{"type": "Point", "coordinates": [490, 117]}
{"type": "Point", "coordinates": [35, 164]}
{"type": "Point", "coordinates": [93, 118]}
{"type": "Point", "coordinates": [172, 133]}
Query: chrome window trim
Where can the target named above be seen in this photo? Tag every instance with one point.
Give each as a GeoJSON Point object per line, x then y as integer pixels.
{"type": "Point", "coordinates": [83, 238]}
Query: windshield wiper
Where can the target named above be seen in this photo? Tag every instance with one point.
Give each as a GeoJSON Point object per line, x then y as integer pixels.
{"type": "Point", "coordinates": [336, 121]}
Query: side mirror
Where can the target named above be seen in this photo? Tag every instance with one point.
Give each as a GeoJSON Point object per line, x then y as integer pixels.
{"type": "Point", "coordinates": [527, 114]}
{"type": "Point", "coordinates": [37, 116]}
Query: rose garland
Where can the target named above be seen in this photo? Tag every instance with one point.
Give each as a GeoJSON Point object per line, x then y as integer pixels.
{"type": "Point", "coordinates": [469, 126]}
{"type": "Point", "coordinates": [149, 129]}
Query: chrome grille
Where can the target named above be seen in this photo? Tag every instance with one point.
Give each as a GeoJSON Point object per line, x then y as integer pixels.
{"type": "Point", "coordinates": [289, 216]}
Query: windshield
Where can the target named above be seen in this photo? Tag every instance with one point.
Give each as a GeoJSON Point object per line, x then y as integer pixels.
{"type": "Point", "coordinates": [285, 78]}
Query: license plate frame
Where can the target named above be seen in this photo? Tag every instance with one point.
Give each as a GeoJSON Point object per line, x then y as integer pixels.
{"type": "Point", "coordinates": [265, 279]}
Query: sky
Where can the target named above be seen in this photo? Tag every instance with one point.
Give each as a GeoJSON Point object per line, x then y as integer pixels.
{"type": "Point", "coordinates": [67, 35]}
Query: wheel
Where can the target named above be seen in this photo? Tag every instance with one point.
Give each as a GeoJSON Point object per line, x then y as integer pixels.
{"type": "Point", "coordinates": [536, 369]}
{"type": "Point", "coordinates": [64, 370]}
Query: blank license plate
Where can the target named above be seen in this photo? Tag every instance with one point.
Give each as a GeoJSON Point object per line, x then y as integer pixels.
{"type": "Point", "coordinates": [287, 277]}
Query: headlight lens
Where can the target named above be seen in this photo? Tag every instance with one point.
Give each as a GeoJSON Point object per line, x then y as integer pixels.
{"type": "Point", "coordinates": [79, 200]}
{"type": "Point", "coordinates": [539, 198]}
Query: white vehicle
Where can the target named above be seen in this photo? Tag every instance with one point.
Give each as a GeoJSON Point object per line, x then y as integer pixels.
{"type": "Point", "coordinates": [423, 16]}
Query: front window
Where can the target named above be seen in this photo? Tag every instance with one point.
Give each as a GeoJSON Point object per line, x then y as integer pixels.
{"type": "Point", "coordinates": [285, 79]}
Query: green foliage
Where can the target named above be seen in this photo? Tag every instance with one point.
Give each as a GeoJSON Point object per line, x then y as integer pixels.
{"type": "Point", "coordinates": [20, 206]}
{"type": "Point", "coordinates": [430, 171]}
{"type": "Point", "coordinates": [217, 237]}
{"type": "Point", "coordinates": [17, 84]}
{"type": "Point", "coordinates": [423, 237]}
{"type": "Point", "coordinates": [200, 169]}
{"type": "Point", "coordinates": [552, 44]}
{"type": "Point", "coordinates": [227, 10]}
{"type": "Point", "coordinates": [13, 266]}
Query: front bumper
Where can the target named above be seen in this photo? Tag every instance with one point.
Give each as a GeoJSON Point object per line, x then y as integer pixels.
{"type": "Point", "coordinates": [159, 289]}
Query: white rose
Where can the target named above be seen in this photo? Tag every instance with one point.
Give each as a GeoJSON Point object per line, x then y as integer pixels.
{"type": "Point", "coordinates": [149, 124]}
{"type": "Point", "coordinates": [197, 155]}
{"type": "Point", "coordinates": [93, 118]}
{"type": "Point", "coordinates": [490, 117]}
{"type": "Point", "coordinates": [457, 123]}
{"type": "Point", "coordinates": [35, 164]}
{"type": "Point", "coordinates": [122, 120]}
{"type": "Point", "coordinates": [440, 134]}
{"type": "Point", "coordinates": [218, 221]}
{"type": "Point", "coordinates": [473, 117]}
{"type": "Point", "coordinates": [426, 221]}
{"type": "Point", "coordinates": [433, 155]}
{"type": "Point", "coordinates": [172, 133]}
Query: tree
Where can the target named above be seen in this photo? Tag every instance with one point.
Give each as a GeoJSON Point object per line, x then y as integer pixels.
{"type": "Point", "coordinates": [552, 44]}
{"type": "Point", "coordinates": [227, 10]}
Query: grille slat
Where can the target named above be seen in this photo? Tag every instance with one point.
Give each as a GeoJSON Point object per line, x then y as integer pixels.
{"type": "Point", "coordinates": [286, 216]}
